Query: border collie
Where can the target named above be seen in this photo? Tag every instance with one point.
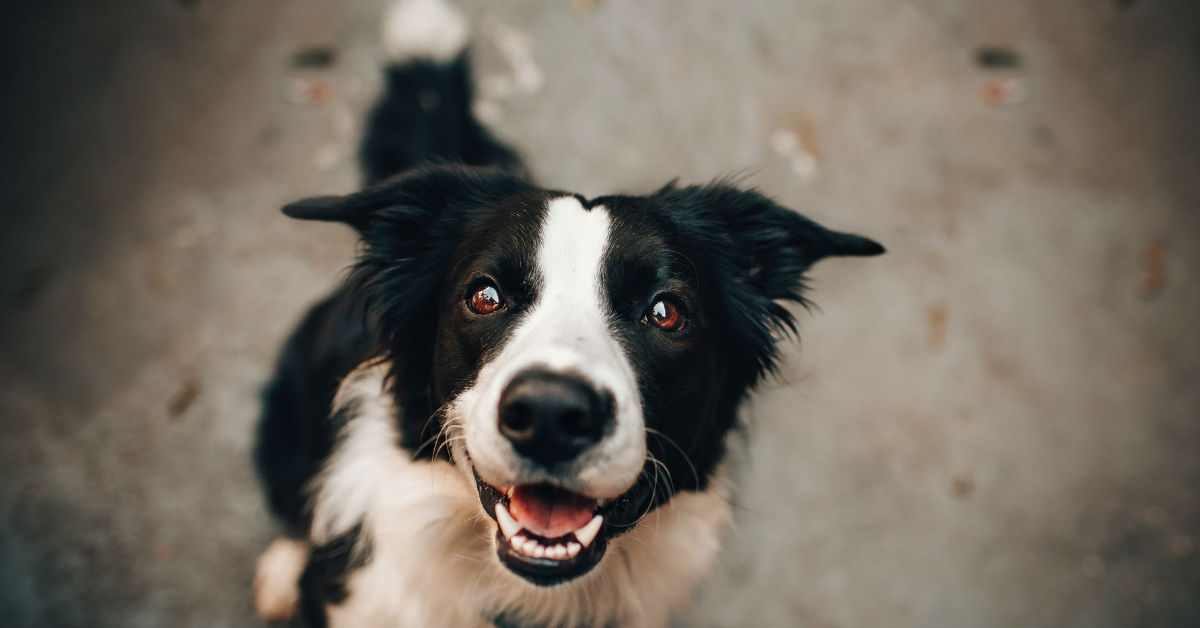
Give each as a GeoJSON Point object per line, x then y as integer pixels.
{"type": "Point", "coordinates": [514, 411]}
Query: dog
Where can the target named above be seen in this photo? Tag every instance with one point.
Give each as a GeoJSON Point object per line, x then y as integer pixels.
{"type": "Point", "coordinates": [515, 410]}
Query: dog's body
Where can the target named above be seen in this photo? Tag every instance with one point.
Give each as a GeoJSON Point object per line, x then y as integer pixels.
{"type": "Point", "coordinates": [515, 411]}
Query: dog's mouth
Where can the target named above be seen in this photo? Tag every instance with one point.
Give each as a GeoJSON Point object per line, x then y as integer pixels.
{"type": "Point", "coordinates": [549, 535]}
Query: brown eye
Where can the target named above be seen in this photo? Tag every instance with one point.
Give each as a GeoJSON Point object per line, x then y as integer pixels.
{"type": "Point", "coordinates": [666, 315]}
{"type": "Point", "coordinates": [485, 299]}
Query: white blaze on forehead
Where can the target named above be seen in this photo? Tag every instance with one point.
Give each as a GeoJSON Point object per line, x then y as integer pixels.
{"type": "Point", "coordinates": [567, 330]}
{"type": "Point", "coordinates": [571, 259]}
{"type": "Point", "coordinates": [572, 244]}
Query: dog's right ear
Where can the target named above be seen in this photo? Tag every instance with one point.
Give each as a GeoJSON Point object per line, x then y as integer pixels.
{"type": "Point", "coordinates": [345, 209]}
{"type": "Point", "coordinates": [409, 226]}
{"type": "Point", "coordinates": [415, 195]}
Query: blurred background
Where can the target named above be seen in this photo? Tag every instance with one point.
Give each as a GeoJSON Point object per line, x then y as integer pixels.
{"type": "Point", "coordinates": [997, 423]}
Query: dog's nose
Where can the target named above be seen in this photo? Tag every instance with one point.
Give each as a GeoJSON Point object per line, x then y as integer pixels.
{"type": "Point", "coordinates": [550, 417]}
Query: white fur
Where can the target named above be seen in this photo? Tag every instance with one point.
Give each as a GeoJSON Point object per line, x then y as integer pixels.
{"type": "Point", "coordinates": [567, 330]}
{"type": "Point", "coordinates": [277, 579]}
{"type": "Point", "coordinates": [433, 559]}
{"type": "Point", "coordinates": [424, 29]}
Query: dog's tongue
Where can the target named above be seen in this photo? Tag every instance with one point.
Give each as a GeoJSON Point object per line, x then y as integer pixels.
{"type": "Point", "coordinates": [550, 512]}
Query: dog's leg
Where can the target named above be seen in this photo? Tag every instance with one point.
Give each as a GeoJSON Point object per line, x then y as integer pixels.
{"type": "Point", "coordinates": [277, 579]}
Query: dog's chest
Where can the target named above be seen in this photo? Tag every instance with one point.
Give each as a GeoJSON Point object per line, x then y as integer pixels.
{"type": "Point", "coordinates": [443, 571]}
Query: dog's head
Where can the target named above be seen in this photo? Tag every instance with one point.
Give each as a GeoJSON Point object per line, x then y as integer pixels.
{"type": "Point", "coordinates": [581, 359]}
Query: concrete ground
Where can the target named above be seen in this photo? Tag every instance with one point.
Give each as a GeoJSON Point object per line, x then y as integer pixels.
{"type": "Point", "coordinates": [998, 423]}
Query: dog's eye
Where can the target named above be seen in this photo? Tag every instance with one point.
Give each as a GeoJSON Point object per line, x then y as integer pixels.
{"type": "Point", "coordinates": [666, 315]}
{"type": "Point", "coordinates": [485, 299]}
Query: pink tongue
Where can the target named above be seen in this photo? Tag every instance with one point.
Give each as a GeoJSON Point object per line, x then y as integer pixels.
{"type": "Point", "coordinates": [549, 512]}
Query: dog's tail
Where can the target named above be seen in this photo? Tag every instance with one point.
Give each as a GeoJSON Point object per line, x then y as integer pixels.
{"type": "Point", "coordinates": [425, 111]}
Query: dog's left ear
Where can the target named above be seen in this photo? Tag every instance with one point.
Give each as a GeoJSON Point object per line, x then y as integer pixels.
{"type": "Point", "coordinates": [764, 251]}
{"type": "Point", "coordinates": [773, 245]}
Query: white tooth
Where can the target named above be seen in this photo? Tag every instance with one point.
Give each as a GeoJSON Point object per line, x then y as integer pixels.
{"type": "Point", "coordinates": [530, 546]}
{"type": "Point", "coordinates": [539, 552]}
{"type": "Point", "coordinates": [508, 525]}
{"type": "Point", "coordinates": [588, 533]}
{"type": "Point", "coordinates": [573, 548]}
{"type": "Point", "coordinates": [560, 551]}
{"type": "Point", "coordinates": [517, 541]}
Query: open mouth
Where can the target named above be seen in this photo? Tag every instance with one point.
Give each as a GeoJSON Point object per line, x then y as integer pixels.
{"type": "Point", "coordinates": [549, 535]}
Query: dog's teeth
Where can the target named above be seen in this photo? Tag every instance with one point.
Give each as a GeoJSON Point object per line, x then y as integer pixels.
{"type": "Point", "coordinates": [508, 525]}
{"type": "Point", "coordinates": [588, 533]}
{"type": "Point", "coordinates": [530, 547]}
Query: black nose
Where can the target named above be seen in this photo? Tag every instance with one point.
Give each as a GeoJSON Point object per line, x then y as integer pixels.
{"type": "Point", "coordinates": [550, 418]}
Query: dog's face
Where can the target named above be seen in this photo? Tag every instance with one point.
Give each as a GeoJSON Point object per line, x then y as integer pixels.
{"type": "Point", "coordinates": [581, 360]}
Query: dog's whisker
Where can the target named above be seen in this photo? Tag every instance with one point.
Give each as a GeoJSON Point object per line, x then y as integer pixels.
{"type": "Point", "coordinates": [447, 435]}
{"type": "Point", "coordinates": [663, 437]}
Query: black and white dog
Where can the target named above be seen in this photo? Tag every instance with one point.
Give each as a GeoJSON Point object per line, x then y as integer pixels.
{"type": "Point", "coordinates": [514, 412]}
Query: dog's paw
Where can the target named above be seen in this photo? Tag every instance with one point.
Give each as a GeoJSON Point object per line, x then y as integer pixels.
{"type": "Point", "coordinates": [277, 579]}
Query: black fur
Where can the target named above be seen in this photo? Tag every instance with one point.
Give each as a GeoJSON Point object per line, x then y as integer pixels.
{"type": "Point", "coordinates": [294, 434]}
{"type": "Point", "coordinates": [729, 255]}
{"type": "Point", "coordinates": [324, 579]}
{"type": "Point", "coordinates": [425, 116]}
